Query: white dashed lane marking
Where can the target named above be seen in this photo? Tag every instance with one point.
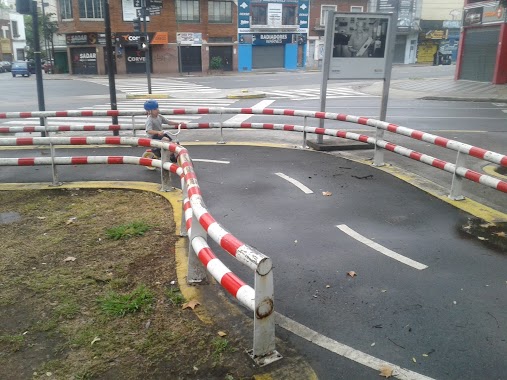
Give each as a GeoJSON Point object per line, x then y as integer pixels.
{"type": "Point", "coordinates": [296, 183]}
{"type": "Point", "coordinates": [379, 248]}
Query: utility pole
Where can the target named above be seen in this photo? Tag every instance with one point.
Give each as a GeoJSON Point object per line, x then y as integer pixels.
{"type": "Point", "coordinates": [38, 66]}
{"type": "Point", "coordinates": [110, 66]}
{"type": "Point", "coordinates": [146, 44]}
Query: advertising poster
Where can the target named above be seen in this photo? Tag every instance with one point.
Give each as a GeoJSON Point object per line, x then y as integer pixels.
{"type": "Point", "coordinates": [360, 45]}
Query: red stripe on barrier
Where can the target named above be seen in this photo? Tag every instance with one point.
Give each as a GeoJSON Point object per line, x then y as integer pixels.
{"type": "Point", "coordinates": [230, 244]}
{"type": "Point", "coordinates": [503, 161]}
{"type": "Point", "coordinates": [179, 111]}
{"type": "Point", "coordinates": [268, 111]}
{"type": "Point", "coordinates": [79, 160]}
{"type": "Point", "coordinates": [417, 135]}
{"type": "Point", "coordinates": [288, 112]}
{"type": "Point", "coordinates": [61, 113]}
{"type": "Point", "coordinates": [113, 140]}
{"type": "Point", "coordinates": [477, 152]}
{"type": "Point", "coordinates": [246, 110]}
{"type": "Point", "coordinates": [472, 175]}
{"type": "Point", "coordinates": [24, 141]}
{"type": "Point", "coordinates": [438, 163]}
{"type": "Point", "coordinates": [268, 126]}
{"type": "Point", "coordinates": [26, 161]}
{"type": "Point", "coordinates": [441, 141]}
{"type": "Point", "coordinates": [341, 134]}
{"type": "Point", "coordinates": [115, 160]}
{"type": "Point", "coordinates": [363, 138]}
{"type": "Point", "coordinates": [288, 127]}
{"type": "Point", "coordinates": [4, 130]}
{"type": "Point", "coordinates": [341, 117]}
{"type": "Point", "coordinates": [202, 110]}
{"type": "Point", "coordinates": [3, 115]}
{"type": "Point", "coordinates": [231, 283]}
{"type": "Point", "coordinates": [502, 186]}
{"type": "Point", "coordinates": [146, 161]}
{"type": "Point", "coordinates": [186, 206]}
{"type": "Point", "coordinates": [188, 224]}
{"type": "Point", "coordinates": [320, 131]}
{"type": "Point", "coordinates": [202, 125]}
{"type": "Point", "coordinates": [205, 256]}
{"type": "Point", "coordinates": [29, 129]}
{"type": "Point", "coordinates": [190, 175]}
{"type": "Point", "coordinates": [86, 113]}
{"type": "Point", "coordinates": [320, 115]}
{"type": "Point", "coordinates": [194, 191]}
{"type": "Point", "coordinates": [25, 114]}
{"type": "Point", "coordinates": [144, 142]}
{"type": "Point", "coordinates": [64, 128]}
{"type": "Point", "coordinates": [416, 156]}
{"type": "Point", "coordinates": [113, 113]}
{"type": "Point", "coordinates": [392, 128]}
{"type": "Point", "coordinates": [114, 127]}
{"type": "Point", "coordinates": [206, 220]}
{"type": "Point", "coordinates": [390, 146]}
{"type": "Point", "coordinates": [246, 125]}
{"type": "Point", "coordinates": [78, 140]}
{"type": "Point", "coordinates": [88, 127]}
{"type": "Point", "coordinates": [363, 120]}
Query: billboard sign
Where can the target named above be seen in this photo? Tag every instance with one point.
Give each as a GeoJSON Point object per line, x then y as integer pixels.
{"type": "Point", "coordinates": [360, 45]}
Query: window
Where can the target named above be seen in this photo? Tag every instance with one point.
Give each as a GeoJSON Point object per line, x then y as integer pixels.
{"type": "Point", "coordinates": [259, 14]}
{"type": "Point", "coordinates": [187, 11]}
{"type": "Point", "coordinates": [289, 15]}
{"type": "Point", "coordinates": [91, 9]}
{"type": "Point", "coordinates": [14, 26]}
{"type": "Point", "coordinates": [323, 12]}
{"type": "Point", "coordinates": [220, 12]}
{"type": "Point", "coordinates": [66, 9]}
{"type": "Point", "coordinates": [356, 9]}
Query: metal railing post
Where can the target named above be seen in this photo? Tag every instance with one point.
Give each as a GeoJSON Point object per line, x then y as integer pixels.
{"type": "Point", "coordinates": [196, 273]}
{"type": "Point", "coordinates": [183, 226]}
{"type": "Point", "coordinates": [457, 181]}
{"type": "Point", "coordinates": [222, 141]}
{"type": "Point", "coordinates": [304, 133]}
{"type": "Point", "coordinates": [378, 156]}
{"type": "Point", "coordinates": [54, 172]}
{"type": "Point", "coordinates": [263, 351]}
{"type": "Point", "coordinates": [165, 175]}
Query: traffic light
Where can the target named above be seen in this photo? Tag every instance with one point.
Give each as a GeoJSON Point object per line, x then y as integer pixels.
{"type": "Point", "coordinates": [23, 7]}
{"type": "Point", "coordinates": [137, 25]}
{"type": "Point", "coordinates": [142, 43]}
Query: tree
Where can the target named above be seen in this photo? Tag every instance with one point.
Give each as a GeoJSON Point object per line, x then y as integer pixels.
{"type": "Point", "coordinates": [47, 29]}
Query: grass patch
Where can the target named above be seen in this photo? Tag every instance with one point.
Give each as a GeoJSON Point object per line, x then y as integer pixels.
{"type": "Point", "coordinates": [220, 346]}
{"type": "Point", "coordinates": [116, 304]}
{"type": "Point", "coordinates": [127, 231]}
{"type": "Point", "coordinates": [175, 296]}
{"type": "Point", "coordinates": [14, 342]}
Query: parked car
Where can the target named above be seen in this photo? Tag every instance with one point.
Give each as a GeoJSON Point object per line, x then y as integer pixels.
{"type": "Point", "coordinates": [31, 66]}
{"type": "Point", "coordinates": [6, 65]}
{"type": "Point", "coordinates": [20, 68]}
{"type": "Point", "coordinates": [2, 70]}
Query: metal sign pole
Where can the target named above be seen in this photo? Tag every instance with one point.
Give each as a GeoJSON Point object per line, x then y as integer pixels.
{"type": "Point", "coordinates": [144, 10]}
{"type": "Point", "coordinates": [328, 52]}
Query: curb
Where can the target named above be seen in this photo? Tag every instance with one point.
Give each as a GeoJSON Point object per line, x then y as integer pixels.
{"type": "Point", "coordinates": [244, 94]}
{"type": "Point", "coordinates": [464, 99]}
{"type": "Point", "coordinates": [148, 96]}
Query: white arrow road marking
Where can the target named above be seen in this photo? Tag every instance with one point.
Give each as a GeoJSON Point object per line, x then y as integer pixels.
{"type": "Point", "coordinates": [295, 182]}
{"type": "Point", "coordinates": [343, 350]}
{"type": "Point", "coordinates": [385, 251]}
{"type": "Point", "coordinates": [242, 117]}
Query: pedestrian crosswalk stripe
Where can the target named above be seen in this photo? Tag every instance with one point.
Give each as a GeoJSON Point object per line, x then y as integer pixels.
{"type": "Point", "coordinates": [314, 93]}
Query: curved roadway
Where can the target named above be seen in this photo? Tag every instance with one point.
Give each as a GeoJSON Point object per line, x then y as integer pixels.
{"type": "Point", "coordinates": [446, 321]}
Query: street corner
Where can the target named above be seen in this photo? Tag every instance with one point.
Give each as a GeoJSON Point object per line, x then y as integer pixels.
{"type": "Point", "coordinates": [246, 94]}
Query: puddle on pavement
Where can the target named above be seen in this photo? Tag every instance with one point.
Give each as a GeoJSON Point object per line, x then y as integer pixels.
{"type": "Point", "coordinates": [493, 235]}
{"type": "Point", "coordinates": [9, 217]}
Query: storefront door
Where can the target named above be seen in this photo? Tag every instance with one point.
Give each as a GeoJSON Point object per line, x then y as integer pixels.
{"type": "Point", "coordinates": [224, 52]}
{"type": "Point", "coordinates": [84, 60]}
{"type": "Point", "coordinates": [264, 57]}
{"type": "Point", "coordinates": [135, 60]}
{"type": "Point", "coordinates": [190, 59]}
{"type": "Point", "coordinates": [479, 56]}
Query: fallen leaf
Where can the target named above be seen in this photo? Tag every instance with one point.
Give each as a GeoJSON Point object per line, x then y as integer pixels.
{"type": "Point", "coordinates": [386, 372]}
{"type": "Point", "coordinates": [351, 273]}
{"type": "Point", "coordinates": [413, 359]}
{"type": "Point", "coordinates": [190, 304]}
{"type": "Point", "coordinates": [327, 193]}
{"type": "Point", "coordinates": [500, 234]}
{"type": "Point", "coordinates": [100, 191]}
{"type": "Point", "coordinates": [41, 217]}
{"type": "Point", "coordinates": [481, 238]}
{"type": "Point", "coordinates": [71, 220]}
{"type": "Point", "coordinates": [70, 258]}
{"type": "Point", "coordinates": [96, 339]}
{"type": "Point", "coordinates": [195, 368]}
{"type": "Point", "coordinates": [486, 225]}
{"type": "Point", "coordinates": [221, 333]}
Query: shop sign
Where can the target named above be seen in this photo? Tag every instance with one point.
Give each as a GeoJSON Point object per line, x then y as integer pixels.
{"type": "Point", "coordinates": [271, 38]}
{"type": "Point", "coordinates": [452, 24]}
{"type": "Point", "coordinates": [472, 16]}
{"type": "Point", "coordinates": [435, 34]}
{"type": "Point", "coordinates": [493, 14]}
{"type": "Point", "coordinates": [157, 38]}
{"type": "Point", "coordinates": [132, 9]}
{"type": "Point", "coordinates": [303, 11]}
{"type": "Point", "coordinates": [244, 14]}
{"type": "Point", "coordinates": [77, 39]}
{"type": "Point", "coordinates": [5, 46]}
{"type": "Point", "coordinates": [191, 39]}
{"type": "Point", "coordinates": [405, 12]}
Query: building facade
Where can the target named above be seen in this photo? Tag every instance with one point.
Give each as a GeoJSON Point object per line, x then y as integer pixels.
{"type": "Point", "coordinates": [185, 35]}
{"type": "Point", "coordinates": [441, 23]}
{"type": "Point", "coordinates": [483, 44]}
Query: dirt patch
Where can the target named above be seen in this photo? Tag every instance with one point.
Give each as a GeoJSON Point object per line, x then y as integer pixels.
{"type": "Point", "coordinates": [57, 266]}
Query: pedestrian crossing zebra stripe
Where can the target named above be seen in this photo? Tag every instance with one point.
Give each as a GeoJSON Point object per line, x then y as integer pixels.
{"type": "Point", "coordinates": [137, 86]}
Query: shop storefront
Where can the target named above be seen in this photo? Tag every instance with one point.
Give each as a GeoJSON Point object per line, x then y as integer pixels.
{"type": "Point", "coordinates": [131, 59]}
{"type": "Point", "coordinates": [272, 34]}
{"type": "Point", "coordinates": [190, 51]}
{"type": "Point", "coordinates": [86, 53]}
{"type": "Point", "coordinates": [483, 44]}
